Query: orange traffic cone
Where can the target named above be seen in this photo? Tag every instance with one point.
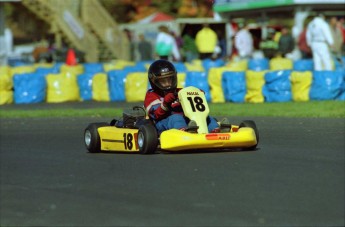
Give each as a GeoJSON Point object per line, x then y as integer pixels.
{"type": "Point", "coordinates": [71, 58]}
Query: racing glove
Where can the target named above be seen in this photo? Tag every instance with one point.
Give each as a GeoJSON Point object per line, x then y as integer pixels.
{"type": "Point", "coordinates": [168, 100]}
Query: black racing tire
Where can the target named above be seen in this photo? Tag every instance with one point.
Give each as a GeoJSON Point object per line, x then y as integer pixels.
{"type": "Point", "coordinates": [251, 124]}
{"type": "Point", "coordinates": [91, 137]}
{"type": "Point", "coordinates": [147, 139]}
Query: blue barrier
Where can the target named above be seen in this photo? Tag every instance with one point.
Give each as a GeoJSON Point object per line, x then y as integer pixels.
{"type": "Point", "coordinates": [85, 86]}
{"type": "Point", "coordinates": [46, 71]}
{"type": "Point", "coordinates": [135, 68]}
{"type": "Point", "coordinates": [199, 80]}
{"type": "Point", "coordinates": [341, 96]}
{"type": "Point", "coordinates": [277, 86]}
{"type": "Point", "coordinates": [29, 88]}
{"type": "Point", "coordinates": [234, 86]}
{"type": "Point", "coordinates": [258, 64]}
{"type": "Point", "coordinates": [93, 68]}
{"type": "Point", "coordinates": [180, 67]}
{"type": "Point", "coordinates": [303, 65]}
{"type": "Point", "coordinates": [143, 64]}
{"type": "Point", "coordinates": [116, 83]}
{"type": "Point", "coordinates": [326, 85]}
{"type": "Point", "coordinates": [209, 63]}
{"type": "Point", "coordinates": [13, 62]}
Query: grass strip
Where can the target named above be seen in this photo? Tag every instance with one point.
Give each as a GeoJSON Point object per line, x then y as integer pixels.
{"type": "Point", "coordinates": [312, 109]}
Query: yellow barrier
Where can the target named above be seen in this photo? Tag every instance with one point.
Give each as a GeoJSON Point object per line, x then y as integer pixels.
{"type": "Point", "coordinates": [100, 90]}
{"type": "Point", "coordinates": [195, 67]}
{"type": "Point", "coordinates": [237, 66]}
{"type": "Point", "coordinates": [108, 67]}
{"type": "Point", "coordinates": [281, 64]}
{"type": "Point", "coordinates": [6, 85]}
{"type": "Point", "coordinates": [117, 65]}
{"type": "Point", "coordinates": [73, 69]}
{"type": "Point", "coordinates": [181, 80]}
{"type": "Point", "coordinates": [255, 80]}
{"type": "Point", "coordinates": [136, 86]}
{"type": "Point", "coordinates": [22, 69]}
{"type": "Point", "coordinates": [300, 85]}
{"type": "Point", "coordinates": [62, 87]}
{"type": "Point", "coordinates": [5, 70]}
{"type": "Point", "coordinates": [43, 65]}
{"type": "Point", "coordinates": [6, 97]}
{"type": "Point", "coordinates": [215, 82]}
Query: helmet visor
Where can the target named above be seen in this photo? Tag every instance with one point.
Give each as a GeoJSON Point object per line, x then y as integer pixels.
{"type": "Point", "coordinates": [166, 81]}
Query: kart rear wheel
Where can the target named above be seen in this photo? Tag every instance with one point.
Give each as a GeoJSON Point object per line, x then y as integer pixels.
{"type": "Point", "coordinates": [251, 124]}
{"type": "Point", "coordinates": [147, 139]}
{"type": "Point", "coordinates": [91, 137]}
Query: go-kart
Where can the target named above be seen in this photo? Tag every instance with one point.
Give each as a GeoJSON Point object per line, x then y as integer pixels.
{"type": "Point", "coordinates": [136, 133]}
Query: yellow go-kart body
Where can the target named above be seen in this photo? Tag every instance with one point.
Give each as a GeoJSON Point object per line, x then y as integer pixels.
{"type": "Point", "coordinates": [175, 140]}
{"type": "Point", "coordinates": [118, 139]}
{"type": "Point", "coordinates": [144, 139]}
{"type": "Point", "coordinates": [195, 107]}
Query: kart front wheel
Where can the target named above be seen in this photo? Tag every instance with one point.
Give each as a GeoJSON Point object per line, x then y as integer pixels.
{"type": "Point", "coordinates": [251, 124]}
{"type": "Point", "coordinates": [91, 137]}
{"type": "Point", "coordinates": [147, 139]}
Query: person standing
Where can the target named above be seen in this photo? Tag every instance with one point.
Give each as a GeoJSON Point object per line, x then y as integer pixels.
{"type": "Point", "coordinates": [268, 46]}
{"type": "Point", "coordinates": [302, 44]}
{"type": "Point", "coordinates": [129, 35]}
{"type": "Point", "coordinates": [206, 41]}
{"type": "Point", "coordinates": [286, 43]}
{"type": "Point", "coordinates": [337, 37]}
{"type": "Point", "coordinates": [244, 42]}
{"type": "Point", "coordinates": [189, 48]}
{"type": "Point", "coordinates": [166, 46]}
{"type": "Point", "coordinates": [319, 38]}
{"type": "Point", "coordinates": [221, 44]}
{"type": "Point", "coordinates": [144, 48]}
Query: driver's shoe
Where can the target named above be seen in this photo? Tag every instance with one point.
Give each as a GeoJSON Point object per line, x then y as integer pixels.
{"type": "Point", "coordinates": [192, 127]}
{"type": "Point", "coordinates": [224, 125]}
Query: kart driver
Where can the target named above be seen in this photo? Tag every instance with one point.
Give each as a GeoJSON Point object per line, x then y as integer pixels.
{"type": "Point", "coordinates": [162, 104]}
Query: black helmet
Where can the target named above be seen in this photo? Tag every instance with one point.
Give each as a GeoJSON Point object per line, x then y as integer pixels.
{"type": "Point", "coordinates": [163, 76]}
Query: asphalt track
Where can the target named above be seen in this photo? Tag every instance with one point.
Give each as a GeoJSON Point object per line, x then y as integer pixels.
{"type": "Point", "coordinates": [294, 178]}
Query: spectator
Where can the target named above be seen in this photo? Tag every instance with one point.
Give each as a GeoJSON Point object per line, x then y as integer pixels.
{"type": "Point", "coordinates": [337, 38]}
{"type": "Point", "coordinates": [319, 38]}
{"type": "Point", "coordinates": [268, 46]}
{"type": "Point", "coordinates": [286, 43]}
{"type": "Point", "coordinates": [244, 42]}
{"type": "Point", "coordinates": [41, 47]}
{"type": "Point", "coordinates": [221, 44]}
{"type": "Point", "coordinates": [189, 48]}
{"type": "Point", "coordinates": [131, 44]}
{"type": "Point", "coordinates": [144, 48]}
{"type": "Point", "coordinates": [6, 46]}
{"type": "Point", "coordinates": [302, 44]}
{"type": "Point", "coordinates": [178, 41]}
{"type": "Point", "coordinates": [166, 46]}
{"type": "Point", "coordinates": [342, 28]}
{"type": "Point", "coordinates": [206, 42]}
{"type": "Point", "coordinates": [229, 39]}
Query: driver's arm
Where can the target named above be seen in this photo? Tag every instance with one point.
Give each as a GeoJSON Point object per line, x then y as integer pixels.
{"type": "Point", "coordinates": [154, 108]}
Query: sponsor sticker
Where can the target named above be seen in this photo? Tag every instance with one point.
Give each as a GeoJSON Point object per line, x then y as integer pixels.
{"type": "Point", "coordinates": [217, 136]}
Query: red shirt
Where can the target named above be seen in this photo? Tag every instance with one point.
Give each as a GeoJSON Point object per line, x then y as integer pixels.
{"type": "Point", "coordinates": [153, 105]}
{"type": "Point", "coordinates": [302, 42]}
